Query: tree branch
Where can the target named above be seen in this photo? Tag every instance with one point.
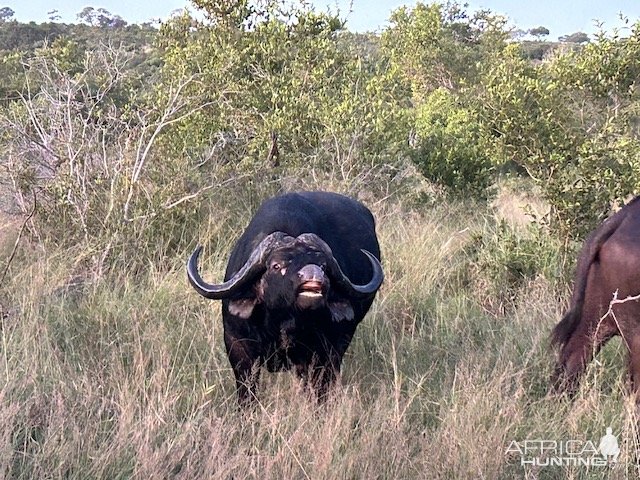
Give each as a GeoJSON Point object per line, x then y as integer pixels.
{"type": "Point", "coordinates": [15, 246]}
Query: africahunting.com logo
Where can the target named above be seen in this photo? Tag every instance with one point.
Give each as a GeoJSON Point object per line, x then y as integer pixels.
{"type": "Point", "coordinates": [562, 453]}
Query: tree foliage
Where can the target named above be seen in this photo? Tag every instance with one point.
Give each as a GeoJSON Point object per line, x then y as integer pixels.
{"type": "Point", "coordinates": [441, 45]}
{"type": "Point", "coordinates": [100, 17]}
{"type": "Point", "coordinates": [277, 69]}
{"type": "Point", "coordinates": [453, 148]}
{"type": "Point", "coordinates": [6, 13]}
{"type": "Point", "coordinates": [259, 90]}
{"type": "Point", "coordinates": [539, 32]}
{"type": "Point", "coordinates": [569, 122]}
{"type": "Point", "coordinates": [577, 37]}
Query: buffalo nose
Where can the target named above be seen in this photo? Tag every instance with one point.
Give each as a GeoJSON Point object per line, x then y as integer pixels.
{"type": "Point", "coordinates": [311, 273]}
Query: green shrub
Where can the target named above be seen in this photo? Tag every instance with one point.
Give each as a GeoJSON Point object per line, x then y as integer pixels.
{"type": "Point", "coordinates": [503, 259]}
{"type": "Point", "coordinates": [452, 146]}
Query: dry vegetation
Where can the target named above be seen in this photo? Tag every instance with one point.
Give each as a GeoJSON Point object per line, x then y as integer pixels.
{"type": "Point", "coordinates": [125, 376]}
{"type": "Point", "coordinates": [111, 366]}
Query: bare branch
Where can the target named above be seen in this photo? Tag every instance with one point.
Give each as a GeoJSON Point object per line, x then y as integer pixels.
{"type": "Point", "coordinates": [609, 312]}
{"type": "Point", "coordinates": [171, 114]}
{"type": "Point", "coordinates": [186, 198]}
{"type": "Point", "coordinates": [15, 245]}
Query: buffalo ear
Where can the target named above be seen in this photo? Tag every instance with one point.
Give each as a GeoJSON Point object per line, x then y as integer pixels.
{"type": "Point", "coordinates": [341, 311]}
{"type": "Point", "coordinates": [243, 307]}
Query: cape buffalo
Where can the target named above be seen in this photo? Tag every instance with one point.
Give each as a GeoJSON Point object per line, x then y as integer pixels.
{"type": "Point", "coordinates": [608, 265]}
{"type": "Point", "coordinates": [299, 280]}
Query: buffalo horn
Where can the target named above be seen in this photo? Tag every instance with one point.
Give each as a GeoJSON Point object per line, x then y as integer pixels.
{"type": "Point", "coordinates": [252, 267]}
{"type": "Point", "coordinates": [336, 272]}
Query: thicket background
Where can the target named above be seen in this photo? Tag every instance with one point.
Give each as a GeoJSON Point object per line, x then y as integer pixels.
{"type": "Point", "coordinates": [486, 160]}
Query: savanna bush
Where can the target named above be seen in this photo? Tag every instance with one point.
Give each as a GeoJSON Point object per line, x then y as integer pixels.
{"type": "Point", "coordinates": [452, 146]}
{"type": "Point", "coordinates": [86, 143]}
{"type": "Point", "coordinates": [281, 80]}
{"type": "Point", "coordinates": [569, 121]}
{"type": "Point", "coordinates": [575, 141]}
{"type": "Point", "coordinates": [504, 258]}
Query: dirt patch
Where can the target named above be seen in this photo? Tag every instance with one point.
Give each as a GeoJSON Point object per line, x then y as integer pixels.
{"type": "Point", "coordinates": [519, 208]}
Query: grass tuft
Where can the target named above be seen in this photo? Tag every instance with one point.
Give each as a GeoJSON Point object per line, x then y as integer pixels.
{"type": "Point", "coordinates": [124, 375]}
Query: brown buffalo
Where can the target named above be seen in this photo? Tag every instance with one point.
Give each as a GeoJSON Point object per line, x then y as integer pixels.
{"type": "Point", "coordinates": [608, 267]}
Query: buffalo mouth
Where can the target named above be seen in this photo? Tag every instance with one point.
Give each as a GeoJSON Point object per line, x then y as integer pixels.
{"type": "Point", "coordinates": [311, 289]}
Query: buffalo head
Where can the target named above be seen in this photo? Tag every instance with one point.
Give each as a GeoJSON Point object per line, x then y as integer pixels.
{"type": "Point", "coordinates": [284, 272]}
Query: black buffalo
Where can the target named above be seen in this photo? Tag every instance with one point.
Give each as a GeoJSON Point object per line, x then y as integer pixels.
{"type": "Point", "coordinates": [299, 280]}
{"type": "Point", "coordinates": [608, 265]}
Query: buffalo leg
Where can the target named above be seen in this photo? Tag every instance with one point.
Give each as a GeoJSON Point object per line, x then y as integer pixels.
{"type": "Point", "coordinates": [321, 373]}
{"type": "Point", "coordinates": [325, 375]}
{"type": "Point", "coordinates": [319, 377]}
{"type": "Point", "coordinates": [579, 350]}
{"type": "Point", "coordinates": [334, 349]}
{"type": "Point", "coordinates": [246, 383]}
{"type": "Point", "coordinates": [246, 369]}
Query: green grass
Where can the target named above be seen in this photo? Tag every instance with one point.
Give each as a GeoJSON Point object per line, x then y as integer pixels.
{"type": "Point", "coordinates": [124, 376]}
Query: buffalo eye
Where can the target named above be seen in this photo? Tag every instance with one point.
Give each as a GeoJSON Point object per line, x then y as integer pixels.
{"type": "Point", "coordinates": [276, 266]}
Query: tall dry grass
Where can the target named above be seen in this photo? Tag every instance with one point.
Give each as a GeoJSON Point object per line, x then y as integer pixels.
{"type": "Point", "coordinates": [125, 376]}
